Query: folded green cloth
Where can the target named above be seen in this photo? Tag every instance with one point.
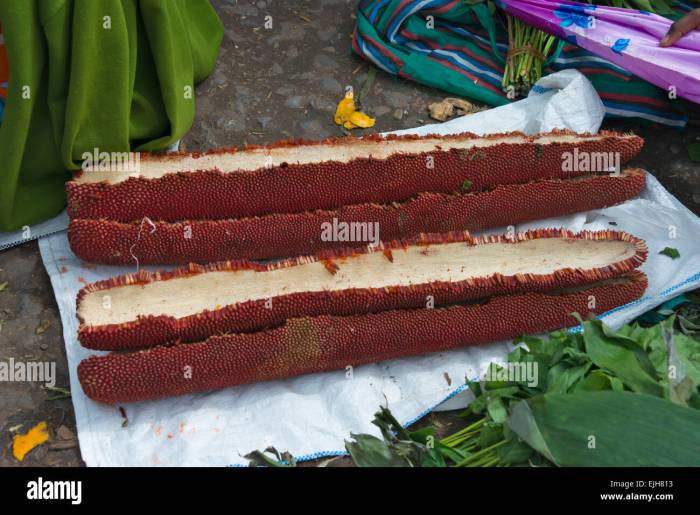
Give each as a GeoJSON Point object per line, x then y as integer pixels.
{"type": "Point", "coordinates": [113, 75]}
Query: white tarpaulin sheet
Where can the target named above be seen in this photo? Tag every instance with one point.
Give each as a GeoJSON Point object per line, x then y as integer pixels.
{"type": "Point", "coordinates": [310, 416]}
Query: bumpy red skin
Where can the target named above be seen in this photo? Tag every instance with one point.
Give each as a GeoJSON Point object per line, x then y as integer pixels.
{"type": "Point", "coordinates": [213, 194]}
{"type": "Point", "coordinates": [309, 345]}
{"type": "Point", "coordinates": [149, 331]}
{"type": "Point", "coordinates": [282, 235]}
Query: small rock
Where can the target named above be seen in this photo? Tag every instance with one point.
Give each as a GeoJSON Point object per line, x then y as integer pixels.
{"type": "Point", "coordinates": [324, 62]}
{"type": "Point", "coordinates": [244, 10]}
{"type": "Point", "coordinates": [264, 120]}
{"type": "Point", "coordinates": [322, 104]}
{"type": "Point", "coordinates": [64, 433]}
{"type": "Point", "coordinates": [234, 36]}
{"type": "Point", "coordinates": [331, 85]}
{"type": "Point", "coordinates": [276, 70]}
{"type": "Point", "coordinates": [313, 129]}
{"type": "Point", "coordinates": [62, 446]}
{"type": "Point", "coordinates": [242, 91]}
{"type": "Point", "coordinates": [381, 110]}
{"type": "Point", "coordinates": [396, 99]}
{"type": "Point", "coordinates": [219, 78]}
{"type": "Point", "coordinates": [296, 102]}
{"type": "Point", "coordinates": [284, 90]}
{"type": "Point", "coordinates": [398, 114]}
{"type": "Point", "coordinates": [43, 346]}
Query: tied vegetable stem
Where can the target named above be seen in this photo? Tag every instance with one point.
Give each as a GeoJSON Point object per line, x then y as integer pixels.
{"type": "Point", "coordinates": [467, 441]}
{"type": "Point", "coordinates": [528, 48]}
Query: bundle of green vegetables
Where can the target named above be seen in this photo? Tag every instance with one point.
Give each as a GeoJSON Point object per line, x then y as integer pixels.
{"type": "Point", "coordinates": [598, 397]}
{"type": "Point", "coordinates": [529, 48]}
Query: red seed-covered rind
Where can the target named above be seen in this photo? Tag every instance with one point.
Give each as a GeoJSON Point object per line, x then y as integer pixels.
{"type": "Point", "coordinates": [295, 188]}
{"type": "Point", "coordinates": [325, 343]}
{"type": "Point", "coordinates": [283, 235]}
{"type": "Point", "coordinates": [149, 331]}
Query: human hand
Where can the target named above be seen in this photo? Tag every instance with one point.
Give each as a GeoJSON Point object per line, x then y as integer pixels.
{"type": "Point", "coordinates": [681, 27]}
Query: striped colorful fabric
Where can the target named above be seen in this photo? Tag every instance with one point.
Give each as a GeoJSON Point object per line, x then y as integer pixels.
{"type": "Point", "coordinates": [457, 47]}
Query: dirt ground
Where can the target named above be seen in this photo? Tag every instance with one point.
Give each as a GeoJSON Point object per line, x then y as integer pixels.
{"type": "Point", "coordinates": [269, 84]}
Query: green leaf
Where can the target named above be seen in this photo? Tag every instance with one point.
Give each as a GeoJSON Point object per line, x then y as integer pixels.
{"type": "Point", "coordinates": [595, 381]}
{"type": "Point", "coordinates": [635, 343]}
{"type": "Point", "coordinates": [608, 354]}
{"type": "Point", "coordinates": [671, 252]}
{"type": "Point", "coordinates": [390, 427]}
{"type": "Point", "coordinates": [467, 185]}
{"type": "Point", "coordinates": [568, 378]}
{"type": "Point", "coordinates": [453, 454]}
{"type": "Point", "coordinates": [607, 428]}
{"type": "Point", "coordinates": [515, 452]}
{"type": "Point", "coordinates": [433, 458]}
{"type": "Point", "coordinates": [497, 410]}
{"type": "Point", "coordinates": [694, 152]}
{"type": "Point", "coordinates": [261, 459]}
{"type": "Point", "coordinates": [370, 451]}
{"type": "Point", "coordinates": [490, 434]}
{"type": "Point", "coordinates": [685, 363]}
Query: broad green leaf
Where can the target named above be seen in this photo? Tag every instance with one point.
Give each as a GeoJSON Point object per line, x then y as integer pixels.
{"type": "Point", "coordinates": [370, 451]}
{"type": "Point", "coordinates": [687, 350]}
{"type": "Point", "coordinates": [497, 410]}
{"type": "Point", "coordinates": [422, 435]}
{"type": "Point", "coordinates": [616, 384]}
{"type": "Point", "coordinates": [684, 367]}
{"type": "Point", "coordinates": [694, 401]}
{"type": "Point", "coordinates": [433, 458]}
{"type": "Point", "coordinates": [607, 428]}
{"type": "Point", "coordinates": [618, 360]}
{"type": "Point", "coordinates": [490, 434]}
{"type": "Point", "coordinates": [631, 344]}
{"type": "Point", "coordinates": [568, 378]}
{"type": "Point", "coordinates": [515, 452]}
{"type": "Point", "coordinates": [595, 381]}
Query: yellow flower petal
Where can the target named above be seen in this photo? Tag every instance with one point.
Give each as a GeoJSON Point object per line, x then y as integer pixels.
{"type": "Point", "coordinates": [361, 120]}
{"type": "Point", "coordinates": [346, 115]}
{"type": "Point", "coordinates": [345, 108]}
{"type": "Point", "coordinates": [23, 444]}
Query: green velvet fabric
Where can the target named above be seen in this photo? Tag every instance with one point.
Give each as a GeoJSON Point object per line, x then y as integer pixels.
{"type": "Point", "coordinates": [113, 75]}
